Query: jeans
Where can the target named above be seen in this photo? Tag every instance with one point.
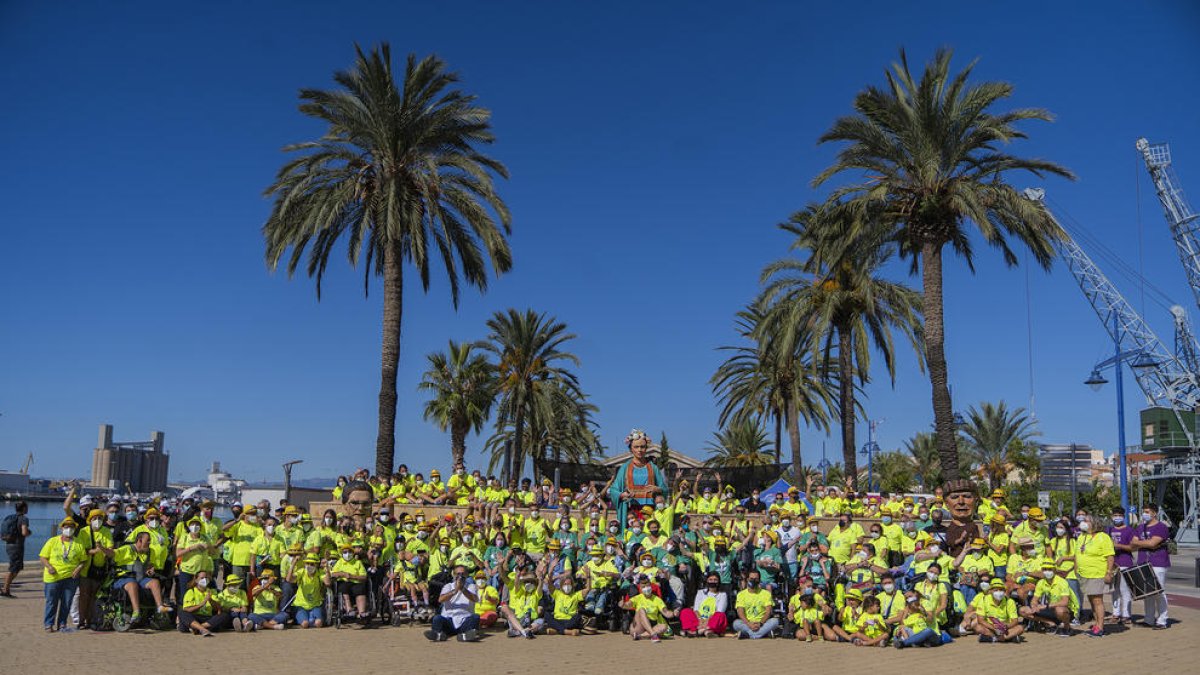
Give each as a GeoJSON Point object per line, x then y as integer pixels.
{"type": "Point", "coordinates": [968, 593]}
{"type": "Point", "coordinates": [59, 595]}
{"type": "Point", "coordinates": [926, 637]}
{"type": "Point", "coordinates": [561, 625]}
{"type": "Point", "coordinates": [181, 586]}
{"type": "Point", "coordinates": [1156, 605]}
{"type": "Point", "coordinates": [763, 631]}
{"type": "Point", "coordinates": [442, 624]}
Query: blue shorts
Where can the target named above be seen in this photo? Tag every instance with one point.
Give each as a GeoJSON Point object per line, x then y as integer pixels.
{"type": "Point", "coordinates": [260, 619]}
{"type": "Point", "coordinates": [123, 581]}
{"type": "Point", "coordinates": [309, 615]}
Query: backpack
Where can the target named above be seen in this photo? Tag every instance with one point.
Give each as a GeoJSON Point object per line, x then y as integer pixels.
{"type": "Point", "coordinates": [9, 531]}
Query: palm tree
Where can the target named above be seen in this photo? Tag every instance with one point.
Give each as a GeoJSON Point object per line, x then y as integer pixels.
{"type": "Point", "coordinates": [530, 364]}
{"type": "Point", "coordinates": [557, 423]}
{"type": "Point", "coordinates": [742, 443]}
{"type": "Point", "coordinates": [397, 175]}
{"type": "Point", "coordinates": [463, 385]}
{"type": "Point", "coordinates": [894, 471]}
{"type": "Point", "coordinates": [922, 449]}
{"type": "Point", "coordinates": [836, 296]}
{"type": "Point", "coordinates": [993, 432]}
{"type": "Point", "coordinates": [929, 157]}
{"type": "Point", "coordinates": [763, 379]}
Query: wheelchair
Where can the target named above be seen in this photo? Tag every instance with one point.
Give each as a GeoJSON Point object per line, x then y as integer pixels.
{"type": "Point", "coordinates": [113, 610]}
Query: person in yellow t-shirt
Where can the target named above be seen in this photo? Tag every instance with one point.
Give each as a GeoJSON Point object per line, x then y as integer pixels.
{"type": "Point", "coordinates": [566, 619]}
{"type": "Point", "coordinates": [754, 606]}
{"type": "Point", "coordinates": [917, 624]}
{"type": "Point", "coordinates": [487, 607]}
{"type": "Point", "coordinates": [997, 619]}
{"type": "Point", "coordinates": [1050, 603]}
{"type": "Point", "coordinates": [806, 611]}
{"type": "Point", "coordinates": [1095, 558]}
{"type": "Point", "coordinates": [234, 601]}
{"type": "Point", "coordinates": [310, 582]}
{"type": "Point", "coordinates": [350, 577]}
{"type": "Point", "coordinates": [873, 629]}
{"type": "Point", "coordinates": [63, 562]}
{"type": "Point", "coordinates": [200, 612]}
{"type": "Point", "coordinates": [266, 603]}
{"type": "Point", "coordinates": [650, 612]}
{"type": "Point", "coordinates": [523, 611]}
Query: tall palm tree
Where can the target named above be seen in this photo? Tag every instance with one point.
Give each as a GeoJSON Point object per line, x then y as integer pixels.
{"type": "Point", "coordinates": [931, 164]}
{"type": "Point", "coordinates": [836, 297]}
{"type": "Point", "coordinates": [398, 175]}
{"type": "Point", "coordinates": [765, 379]}
{"type": "Point", "coordinates": [742, 443]}
{"type": "Point", "coordinates": [530, 362]}
{"type": "Point", "coordinates": [994, 433]}
{"type": "Point", "coordinates": [894, 471]}
{"type": "Point", "coordinates": [922, 449]}
{"type": "Point", "coordinates": [463, 386]}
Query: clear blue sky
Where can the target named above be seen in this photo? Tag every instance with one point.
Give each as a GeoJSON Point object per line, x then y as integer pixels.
{"type": "Point", "coordinates": [653, 148]}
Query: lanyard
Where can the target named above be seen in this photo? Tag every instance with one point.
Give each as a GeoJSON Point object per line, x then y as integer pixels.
{"type": "Point", "coordinates": [65, 549]}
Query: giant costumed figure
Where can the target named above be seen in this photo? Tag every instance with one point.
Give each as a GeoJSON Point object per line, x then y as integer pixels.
{"type": "Point", "coordinates": [637, 480]}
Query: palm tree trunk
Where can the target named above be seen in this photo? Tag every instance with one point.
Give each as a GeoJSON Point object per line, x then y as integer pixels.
{"type": "Point", "coordinates": [935, 356]}
{"type": "Point", "coordinates": [393, 290]}
{"type": "Point", "coordinates": [778, 437]}
{"type": "Point", "coordinates": [793, 427]}
{"type": "Point", "coordinates": [458, 444]}
{"type": "Point", "coordinates": [516, 459]}
{"type": "Point", "coordinates": [846, 406]}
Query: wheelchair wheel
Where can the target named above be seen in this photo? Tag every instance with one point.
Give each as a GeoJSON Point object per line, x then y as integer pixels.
{"type": "Point", "coordinates": [120, 618]}
{"type": "Point", "coordinates": [162, 621]}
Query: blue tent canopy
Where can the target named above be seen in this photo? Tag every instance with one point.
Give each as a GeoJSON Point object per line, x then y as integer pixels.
{"type": "Point", "coordinates": [781, 486]}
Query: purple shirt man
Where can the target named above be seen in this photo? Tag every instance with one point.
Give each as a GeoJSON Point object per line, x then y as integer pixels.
{"type": "Point", "coordinates": [1159, 557]}
{"type": "Point", "coordinates": [1122, 536]}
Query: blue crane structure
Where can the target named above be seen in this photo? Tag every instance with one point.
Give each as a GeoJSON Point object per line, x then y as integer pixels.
{"type": "Point", "coordinates": [1165, 378]}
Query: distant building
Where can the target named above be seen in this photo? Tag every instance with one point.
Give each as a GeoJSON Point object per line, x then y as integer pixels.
{"type": "Point", "coordinates": [223, 484]}
{"type": "Point", "coordinates": [1062, 462]}
{"type": "Point", "coordinates": [14, 482]}
{"type": "Point", "coordinates": [140, 464]}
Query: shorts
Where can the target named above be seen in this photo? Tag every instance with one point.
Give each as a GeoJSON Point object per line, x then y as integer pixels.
{"type": "Point", "coordinates": [123, 581]}
{"type": "Point", "coordinates": [16, 557]}
{"type": "Point", "coordinates": [1094, 586]}
{"type": "Point", "coordinates": [1047, 613]}
{"type": "Point", "coordinates": [310, 615]}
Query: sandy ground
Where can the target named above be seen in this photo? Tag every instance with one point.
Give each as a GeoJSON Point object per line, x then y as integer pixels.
{"type": "Point", "coordinates": [26, 648]}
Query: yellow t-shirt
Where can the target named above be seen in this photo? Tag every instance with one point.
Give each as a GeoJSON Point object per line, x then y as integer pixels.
{"type": "Point", "coordinates": [65, 556]}
{"type": "Point", "coordinates": [196, 596]}
{"type": "Point", "coordinates": [653, 605]}
{"type": "Point", "coordinates": [310, 590]}
{"type": "Point", "coordinates": [566, 605]}
{"type": "Point", "coordinates": [1053, 590]}
{"type": "Point", "coordinates": [1091, 554]}
{"type": "Point", "coordinates": [972, 564]}
{"type": "Point", "coordinates": [232, 598]}
{"type": "Point", "coordinates": [523, 602]}
{"type": "Point", "coordinates": [1000, 539]}
{"type": "Point", "coordinates": [194, 561]}
{"type": "Point", "coordinates": [916, 622]}
{"type": "Point", "coordinates": [489, 599]}
{"type": "Point", "coordinates": [266, 601]}
{"type": "Point", "coordinates": [872, 625]}
{"type": "Point", "coordinates": [756, 604]}
{"type": "Point", "coordinates": [1005, 610]}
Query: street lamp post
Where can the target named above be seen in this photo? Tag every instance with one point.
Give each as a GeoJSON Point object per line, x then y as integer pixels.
{"type": "Point", "coordinates": [869, 450]}
{"type": "Point", "coordinates": [1138, 360]}
{"type": "Point", "coordinates": [823, 465]}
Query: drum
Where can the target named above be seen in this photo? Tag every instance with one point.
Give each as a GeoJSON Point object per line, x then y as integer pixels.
{"type": "Point", "coordinates": [1141, 580]}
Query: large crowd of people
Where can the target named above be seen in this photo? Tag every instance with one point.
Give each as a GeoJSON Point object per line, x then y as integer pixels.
{"type": "Point", "coordinates": [637, 556]}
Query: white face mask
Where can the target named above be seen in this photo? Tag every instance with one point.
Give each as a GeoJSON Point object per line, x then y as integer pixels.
{"type": "Point", "coordinates": [152, 523]}
{"type": "Point", "coordinates": [888, 588]}
{"type": "Point", "coordinates": [444, 549]}
{"type": "Point", "coordinates": [512, 510]}
{"type": "Point", "coordinates": [202, 583]}
{"type": "Point", "coordinates": [1060, 531]}
{"type": "Point", "coordinates": [310, 568]}
{"type": "Point", "coordinates": [96, 523]}
{"type": "Point", "coordinates": [610, 549]}
{"type": "Point", "coordinates": [68, 532]}
{"type": "Point", "coordinates": [347, 555]}
{"type": "Point", "coordinates": [1085, 526]}
{"type": "Point", "coordinates": [466, 538]}
{"type": "Point", "coordinates": [270, 529]}
{"type": "Point", "coordinates": [997, 595]}
{"type": "Point", "coordinates": [813, 529]}
{"type": "Point", "coordinates": [328, 522]}
{"type": "Point", "coordinates": [977, 554]}
{"type": "Point", "coordinates": [1048, 574]}
{"type": "Point", "coordinates": [1147, 517]}
{"type": "Point", "coordinates": [529, 588]}
{"type": "Point", "coordinates": [567, 588]}
{"type": "Point", "coordinates": [422, 535]}
{"type": "Point", "coordinates": [194, 529]}
{"type": "Point", "coordinates": [647, 590]}
{"type": "Point", "coordinates": [500, 543]}
{"type": "Point", "coordinates": [935, 549]}
{"type": "Point", "coordinates": [931, 576]}
{"type": "Point", "coordinates": [534, 514]}
{"type": "Point", "coordinates": [294, 519]}
{"type": "Point", "coordinates": [762, 543]}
